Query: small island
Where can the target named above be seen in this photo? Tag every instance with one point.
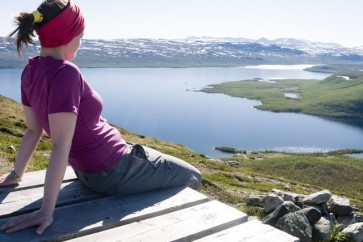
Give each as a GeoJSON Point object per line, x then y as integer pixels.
{"type": "Point", "coordinates": [227, 149]}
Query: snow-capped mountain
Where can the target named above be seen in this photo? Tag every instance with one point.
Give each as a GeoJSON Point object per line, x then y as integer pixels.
{"type": "Point", "coordinates": [220, 46]}
{"type": "Point", "coordinates": [313, 48]}
{"type": "Point", "coordinates": [198, 51]}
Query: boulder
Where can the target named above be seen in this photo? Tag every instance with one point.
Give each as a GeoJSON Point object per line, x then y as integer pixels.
{"type": "Point", "coordinates": [340, 206]}
{"type": "Point", "coordinates": [312, 214]}
{"type": "Point", "coordinates": [287, 187]}
{"type": "Point", "coordinates": [323, 208]}
{"type": "Point", "coordinates": [354, 232]}
{"type": "Point", "coordinates": [280, 211]}
{"type": "Point", "coordinates": [297, 225]}
{"type": "Point", "coordinates": [271, 202]}
{"type": "Point", "coordinates": [299, 201]}
{"type": "Point", "coordinates": [320, 212]}
{"type": "Point", "coordinates": [255, 200]}
{"type": "Point", "coordinates": [287, 196]}
{"type": "Point", "coordinates": [345, 221]}
{"type": "Point", "coordinates": [232, 163]}
{"type": "Point", "coordinates": [317, 198]}
{"type": "Point", "coordinates": [323, 229]}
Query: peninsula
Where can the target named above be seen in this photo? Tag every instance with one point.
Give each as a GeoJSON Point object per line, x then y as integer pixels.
{"type": "Point", "coordinates": [337, 97]}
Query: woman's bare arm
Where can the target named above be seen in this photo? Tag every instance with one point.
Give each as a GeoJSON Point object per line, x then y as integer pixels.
{"type": "Point", "coordinates": [29, 143]}
{"type": "Point", "coordinates": [62, 126]}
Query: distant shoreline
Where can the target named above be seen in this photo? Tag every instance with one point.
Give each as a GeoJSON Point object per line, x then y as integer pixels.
{"type": "Point", "coordinates": [283, 67]}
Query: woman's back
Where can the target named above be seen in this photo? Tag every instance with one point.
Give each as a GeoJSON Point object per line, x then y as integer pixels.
{"type": "Point", "coordinates": [49, 86]}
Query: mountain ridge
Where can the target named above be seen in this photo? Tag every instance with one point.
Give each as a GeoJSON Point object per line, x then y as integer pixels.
{"type": "Point", "coordinates": [195, 52]}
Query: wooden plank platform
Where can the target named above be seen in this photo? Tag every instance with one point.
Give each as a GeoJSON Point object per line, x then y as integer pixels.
{"type": "Point", "coordinates": [177, 214]}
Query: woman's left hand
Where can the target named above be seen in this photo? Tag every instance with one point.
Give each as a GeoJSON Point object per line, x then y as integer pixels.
{"type": "Point", "coordinates": [38, 218]}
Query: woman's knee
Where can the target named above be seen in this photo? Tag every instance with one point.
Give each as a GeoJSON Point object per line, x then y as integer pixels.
{"type": "Point", "coordinates": [190, 175]}
{"type": "Point", "coordinates": [196, 180]}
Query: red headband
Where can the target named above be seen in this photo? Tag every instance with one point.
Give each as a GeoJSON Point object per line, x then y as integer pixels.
{"type": "Point", "coordinates": [63, 28]}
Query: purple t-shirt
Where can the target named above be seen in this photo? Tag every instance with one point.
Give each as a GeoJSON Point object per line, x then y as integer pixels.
{"type": "Point", "coordinates": [49, 86]}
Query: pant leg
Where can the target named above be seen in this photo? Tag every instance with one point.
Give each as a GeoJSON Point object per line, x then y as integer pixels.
{"type": "Point", "coordinates": [150, 170]}
{"type": "Point", "coordinates": [104, 181]}
{"type": "Point", "coordinates": [143, 169]}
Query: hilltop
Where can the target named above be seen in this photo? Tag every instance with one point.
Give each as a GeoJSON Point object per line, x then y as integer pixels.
{"type": "Point", "coordinates": [196, 52]}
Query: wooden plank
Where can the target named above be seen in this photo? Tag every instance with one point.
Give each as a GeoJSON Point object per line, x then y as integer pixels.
{"type": "Point", "coordinates": [183, 225]}
{"type": "Point", "coordinates": [36, 179]}
{"type": "Point", "coordinates": [252, 231]}
{"type": "Point", "coordinates": [25, 201]}
{"type": "Point", "coordinates": [109, 212]}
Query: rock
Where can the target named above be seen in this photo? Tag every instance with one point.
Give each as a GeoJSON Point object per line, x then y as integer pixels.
{"type": "Point", "coordinates": [287, 196]}
{"type": "Point", "coordinates": [271, 202]}
{"type": "Point", "coordinates": [299, 200]}
{"type": "Point", "coordinates": [317, 198]}
{"type": "Point", "coordinates": [323, 208]}
{"type": "Point", "coordinates": [312, 214]}
{"type": "Point", "coordinates": [297, 225]}
{"type": "Point", "coordinates": [345, 221]}
{"type": "Point", "coordinates": [354, 232]}
{"type": "Point", "coordinates": [287, 187]}
{"type": "Point", "coordinates": [280, 211]}
{"type": "Point", "coordinates": [255, 200]}
{"type": "Point", "coordinates": [333, 217]}
{"type": "Point", "coordinates": [340, 206]}
{"type": "Point", "coordinates": [323, 229]}
{"type": "Point", "coordinates": [233, 163]}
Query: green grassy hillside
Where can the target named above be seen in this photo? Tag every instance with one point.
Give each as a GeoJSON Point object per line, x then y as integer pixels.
{"type": "Point", "coordinates": [251, 173]}
{"type": "Point", "coordinates": [336, 68]}
{"type": "Point", "coordinates": [336, 97]}
{"type": "Point", "coordinates": [345, 174]}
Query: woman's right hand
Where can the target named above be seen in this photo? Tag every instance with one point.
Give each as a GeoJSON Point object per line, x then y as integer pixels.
{"type": "Point", "coordinates": [40, 218]}
{"type": "Point", "coordinates": [7, 180]}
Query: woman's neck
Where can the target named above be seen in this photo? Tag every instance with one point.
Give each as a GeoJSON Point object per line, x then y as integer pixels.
{"type": "Point", "coordinates": [56, 52]}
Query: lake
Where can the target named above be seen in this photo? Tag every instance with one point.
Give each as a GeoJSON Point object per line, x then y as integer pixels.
{"type": "Point", "coordinates": [165, 103]}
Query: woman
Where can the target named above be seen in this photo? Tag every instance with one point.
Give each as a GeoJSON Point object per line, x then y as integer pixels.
{"type": "Point", "coordinates": [59, 101]}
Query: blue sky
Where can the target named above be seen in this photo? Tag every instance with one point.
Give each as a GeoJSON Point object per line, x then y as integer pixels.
{"type": "Point", "coordinates": [316, 20]}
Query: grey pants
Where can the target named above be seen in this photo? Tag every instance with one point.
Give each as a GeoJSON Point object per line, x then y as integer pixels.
{"type": "Point", "coordinates": [142, 169]}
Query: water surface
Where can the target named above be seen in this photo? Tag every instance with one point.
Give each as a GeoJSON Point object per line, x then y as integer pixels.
{"type": "Point", "coordinates": [165, 103]}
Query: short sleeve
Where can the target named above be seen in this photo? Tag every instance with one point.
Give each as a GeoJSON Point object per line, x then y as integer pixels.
{"type": "Point", "coordinates": [65, 90]}
{"type": "Point", "coordinates": [24, 99]}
